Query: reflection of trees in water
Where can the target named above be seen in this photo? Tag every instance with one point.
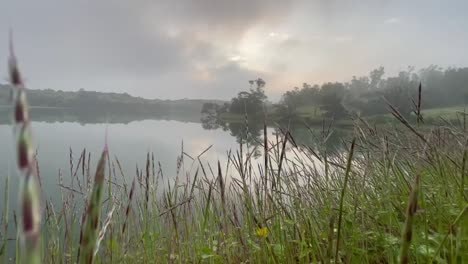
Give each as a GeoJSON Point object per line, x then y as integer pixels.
{"type": "Point", "coordinates": [314, 137]}
{"type": "Point", "coordinates": [212, 122]}
{"type": "Point", "coordinates": [250, 134]}
{"type": "Point", "coordinates": [97, 115]}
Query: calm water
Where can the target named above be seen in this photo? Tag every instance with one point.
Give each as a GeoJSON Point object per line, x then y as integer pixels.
{"type": "Point", "coordinates": [129, 142]}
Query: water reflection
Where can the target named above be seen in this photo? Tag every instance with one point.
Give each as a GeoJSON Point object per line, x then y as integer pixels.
{"type": "Point", "coordinates": [92, 116]}
{"type": "Point", "coordinates": [321, 138]}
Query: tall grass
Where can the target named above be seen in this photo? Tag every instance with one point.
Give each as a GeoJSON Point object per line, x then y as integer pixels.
{"type": "Point", "coordinates": [29, 232]}
{"type": "Point", "coordinates": [390, 194]}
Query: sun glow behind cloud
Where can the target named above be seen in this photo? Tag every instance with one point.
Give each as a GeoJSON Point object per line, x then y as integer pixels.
{"type": "Point", "coordinates": [210, 48]}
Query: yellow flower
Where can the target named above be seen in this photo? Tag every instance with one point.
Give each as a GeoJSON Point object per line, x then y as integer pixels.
{"type": "Point", "coordinates": [262, 232]}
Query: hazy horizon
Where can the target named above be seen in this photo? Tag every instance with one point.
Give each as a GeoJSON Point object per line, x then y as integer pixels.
{"type": "Point", "coordinates": [210, 49]}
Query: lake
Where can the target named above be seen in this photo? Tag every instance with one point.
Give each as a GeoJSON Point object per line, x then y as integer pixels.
{"type": "Point", "coordinates": [129, 142]}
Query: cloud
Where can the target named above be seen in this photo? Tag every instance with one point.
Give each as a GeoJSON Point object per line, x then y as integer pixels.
{"type": "Point", "coordinates": [343, 38]}
{"type": "Point", "coordinates": [210, 48]}
{"type": "Point", "coordinates": [392, 20]}
{"type": "Point", "coordinates": [227, 79]}
{"type": "Point", "coordinates": [107, 45]}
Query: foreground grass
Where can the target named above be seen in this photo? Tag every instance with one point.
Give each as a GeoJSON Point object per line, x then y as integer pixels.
{"type": "Point", "coordinates": [306, 206]}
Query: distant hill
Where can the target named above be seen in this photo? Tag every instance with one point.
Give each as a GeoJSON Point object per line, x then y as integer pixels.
{"type": "Point", "coordinates": [91, 101]}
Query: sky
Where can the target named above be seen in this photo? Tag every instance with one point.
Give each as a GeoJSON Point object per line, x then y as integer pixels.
{"type": "Point", "coordinates": [211, 48]}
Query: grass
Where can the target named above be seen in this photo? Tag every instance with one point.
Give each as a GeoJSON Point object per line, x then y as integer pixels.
{"type": "Point", "coordinates": [309, 111]}
{"type": "Point", "coordinates": [445, 112]}
{"type": "Point", "coordinates": [388, 195]}
{"type": "Point", "coordinates": [312, 115]}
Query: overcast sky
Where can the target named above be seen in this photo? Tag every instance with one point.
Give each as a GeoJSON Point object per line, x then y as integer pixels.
{"type": "Point", "coordinates": [211, 48]}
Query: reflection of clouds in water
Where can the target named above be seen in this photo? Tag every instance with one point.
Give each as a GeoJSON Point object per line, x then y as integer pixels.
{"type": "Point", "coordinates": [129, 143]}
{"type": "Point", "coordinates": [221, 143]}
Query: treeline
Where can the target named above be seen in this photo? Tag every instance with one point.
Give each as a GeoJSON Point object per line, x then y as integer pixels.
{"type": "Point", "coordinates": [365, 95]}
{"type": "Point", "coordinates": [370, 95]}
{"type": "Point", "coordinates": [91, 101]}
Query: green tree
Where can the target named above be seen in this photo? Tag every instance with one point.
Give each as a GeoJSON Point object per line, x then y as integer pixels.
{"type": "Point", "coordinates": [375, 77]}
{"type": "Point", "coordinates": [400, 91]}
{"type": "Point", "coordinates": [250, 102]}
{"type": "Point", "coordinates": [332, 95]}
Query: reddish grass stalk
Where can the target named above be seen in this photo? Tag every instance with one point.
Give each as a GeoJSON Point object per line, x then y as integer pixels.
{"type": "Point", "coordinates": [30, 220]}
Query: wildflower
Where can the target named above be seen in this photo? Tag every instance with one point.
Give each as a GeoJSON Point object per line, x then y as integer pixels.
{"type": "Point", "coordinates": [262, 232]}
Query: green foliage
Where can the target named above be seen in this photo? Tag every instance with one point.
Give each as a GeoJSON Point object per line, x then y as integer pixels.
{"type": "Point", "coordinates": [89, 102]}
{"type": "Point", "coordinates": [331, 98]}
{"type": "Point", "coordinates": [249, 102]}
{"type": "Point", "coordinates": [90, 231]}
{"type": "Point", "coordinates": [369, 95]}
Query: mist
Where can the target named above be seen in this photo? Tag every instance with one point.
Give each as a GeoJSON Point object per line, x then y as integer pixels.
{"type": "Point", "coordinates": [210, 49]}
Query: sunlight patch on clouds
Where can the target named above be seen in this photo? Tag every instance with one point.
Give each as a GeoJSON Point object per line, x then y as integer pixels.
{"type": "Point", "coordinates": [238, 59]}
{"type": "Point", "coordinates": [278, 36]}
{"type": "Point", "coordinates": [262, 47]}
{"type": "Point", "coordinates": [392, 20]}
{"type": "Point", "coordinates": [203, 75]}
{"type": "Point", "coordinates": [172, 31]}
{"type": "Point", "coordinates": [252, 46]}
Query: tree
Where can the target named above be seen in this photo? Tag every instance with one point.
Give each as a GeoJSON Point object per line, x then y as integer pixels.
{"type": "Point", "coordinates": [250, 102]}
{"type": "Point", "coordinates": [399, 91]}
{"type": "Point", "coordinates": [376, 78]}
{"type": "Point", "coordinates": [290, 101]}
{"type": "Point", "coordinates": [356, 98]}
{"type": "Point", "coordinates": [210, 108]}
{"type": "Point", "coordinates": [308, 95]}
{"type": "Point", "coordinates": [332, 95]}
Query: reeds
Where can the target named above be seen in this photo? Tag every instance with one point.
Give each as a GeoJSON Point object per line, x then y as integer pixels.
{"type": "Point", "coordinates": [6, 212]}
{"type": "Point", "coordinates": [408, 227]}
{"type": "Point", "coordinates": [90, 229]}
{"type": "Point", "coordinates": [30, 203]}
{"type": "Point", "coordinates": [127, 210]}
{"type": "Point", "coordinates": [342, 196]}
